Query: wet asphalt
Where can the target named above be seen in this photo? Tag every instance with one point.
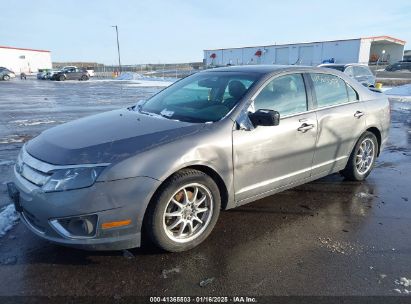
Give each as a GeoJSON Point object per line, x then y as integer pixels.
{"type": "Point", "coordinates": [328, 237]}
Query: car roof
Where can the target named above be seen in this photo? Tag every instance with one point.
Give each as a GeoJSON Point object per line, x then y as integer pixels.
{"type": "Point", "coordinates": [343, 64]}
{"type": "Point", "coordinates": [261, 69]}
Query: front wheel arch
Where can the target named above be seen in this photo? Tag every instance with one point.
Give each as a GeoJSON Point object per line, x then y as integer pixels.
{"type": "Point", "coordinates": [222, 187]}
{"type": "Point", "coordinates": [150, 222]}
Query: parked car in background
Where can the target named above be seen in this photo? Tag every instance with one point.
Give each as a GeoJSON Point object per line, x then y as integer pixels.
{"type": "Point", "coordinates": [359, 72]}
{"type": "Point", "coordinates": [70, 73]}
{"type": "Point", "coordinates": [214, 140]}
{"type": "Point", "coordinates": [68, 67]}
{"type": "Point", "coordinates": [50, 74]}
{"type": "Point", "coordinates": [41, 74]}
{"type": "Point", "coordinates": [90, 71]}
{"type": "Point", "coordinates": [6, 74]}
{"type": "Point", "coordinates": [399, 66]}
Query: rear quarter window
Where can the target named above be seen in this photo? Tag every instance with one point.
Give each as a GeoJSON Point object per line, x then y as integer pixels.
{"type": "Point", "coordinates": [329, 90]}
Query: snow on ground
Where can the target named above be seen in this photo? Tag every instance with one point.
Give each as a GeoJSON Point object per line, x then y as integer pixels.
{"type": "Point", "coordinates": [6, 162]}
{"type": "Point", "coordinates": [402, 93]}
{"type": "Point", "coordinates": [144, 83]}
{"type": "Point", "coordinates": [405, 283]}
{"type": "Point", "coordinates": [32, 122]}
{"type": "Point", "coordinates": [138, 80]}
{"type": "Point", "coordinates": [8, 218]}
{"type": "Point", "coordinates": [12, 139]}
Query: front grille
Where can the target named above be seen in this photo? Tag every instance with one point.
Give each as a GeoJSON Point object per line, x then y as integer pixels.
{"type": "Point", "coordinates": [32, 169]}
{"type": "Point", "coordinates": [34, 176]}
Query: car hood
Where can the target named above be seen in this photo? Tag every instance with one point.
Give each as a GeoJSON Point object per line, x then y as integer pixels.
{"type": "Point", "coordinates": [106, 138]}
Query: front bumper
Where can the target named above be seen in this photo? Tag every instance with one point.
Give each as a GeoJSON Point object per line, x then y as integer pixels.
{"type": "Point", "coordinates": [111, 201]}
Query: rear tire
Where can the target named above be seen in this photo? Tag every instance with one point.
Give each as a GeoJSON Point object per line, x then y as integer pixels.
{"type": "Point", "coordinates": [362, 158]}
{"type": "Point", "coordinates": [62, 78]}
{"type": "Point", "coordinates": [189, 197]}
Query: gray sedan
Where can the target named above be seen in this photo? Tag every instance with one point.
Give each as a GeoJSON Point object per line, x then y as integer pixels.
{"type": "Point", "coordinates": [215, 140]}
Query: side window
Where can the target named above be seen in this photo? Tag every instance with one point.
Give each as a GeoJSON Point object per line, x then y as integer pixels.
{"type": "Point", "coordinates": [285, 94]}
{"type": "Point", "coordinates": [358, 71]}
{"type": "Point", "coordinates": [352, 94]}
{"type": "Point", "coordinates": [368, 72]}
{"type": "Point", "coordinates": [364, 71]}
{"type": "Point", "coordinates": [361, 71]}
{"type": "Point", "coordinates": [240, 83]}
{"type": "Point", "coordinates": [329, 90]}
{"type": "Point", "coordinates": [349, 71]}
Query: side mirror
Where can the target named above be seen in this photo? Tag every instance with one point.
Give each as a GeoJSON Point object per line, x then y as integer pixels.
{"type": "Point", "coordinates": [264, 117]}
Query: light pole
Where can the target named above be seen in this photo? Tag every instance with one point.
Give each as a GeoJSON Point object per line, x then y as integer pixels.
{"type": "Point", "coordinates": [118, 48]}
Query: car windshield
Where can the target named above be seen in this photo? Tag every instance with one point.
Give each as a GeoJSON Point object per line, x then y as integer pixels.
{"type": "Point", "coordinates": [202, 97]}
{"type": "Point", "coordinates": [335, 67]}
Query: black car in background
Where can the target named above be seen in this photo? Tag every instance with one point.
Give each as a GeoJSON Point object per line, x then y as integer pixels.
{"type": "Point", "coordinates": [399, 66]}
{"type": "Point", "coordinates": [70, 74]}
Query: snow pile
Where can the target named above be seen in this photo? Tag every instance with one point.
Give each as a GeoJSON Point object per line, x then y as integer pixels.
{"type": "Point", "coordinates": [144, 81]}
{"type": "Point", "coordinates": [365, 195]}
{"type": "Point", "coordinates": [403, 92]}
{"type": "Point", "coordinates": [13, 139]}
{"type": "Point", "coordinates": [33, 122]}
{"type": "Point", "coordinates": [150, 83]}
{"type": "Point", "coordinates": [8, 218]}
{"type": "Point", "coordinates": [129, 76]}
{"type": "Point", "coordinates": [341, 247]}
{"type": "Point", "coordinates": [166, 272]}
{"type": "Point", "coordinates": [404, 282]}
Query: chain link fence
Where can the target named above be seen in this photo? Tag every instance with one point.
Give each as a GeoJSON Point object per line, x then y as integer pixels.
{"type": "Point", "coordinates": [177, 70]}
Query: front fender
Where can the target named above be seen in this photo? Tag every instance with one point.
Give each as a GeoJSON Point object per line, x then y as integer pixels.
{"type": "Point", "coordinates": [212, 148]}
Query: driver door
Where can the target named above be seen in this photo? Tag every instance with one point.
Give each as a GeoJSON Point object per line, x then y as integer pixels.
{"type": "Point", "coordinates": [268, 158]}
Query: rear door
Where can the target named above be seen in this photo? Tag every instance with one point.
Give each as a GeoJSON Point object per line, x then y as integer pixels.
{"type": "Point", "coordinates": [270, 157]}
{"type": "Point", "coordinates": [341, 121]}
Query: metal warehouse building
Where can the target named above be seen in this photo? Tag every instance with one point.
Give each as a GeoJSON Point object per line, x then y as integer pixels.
{"type": "Point", "coordinates": [359, 50]}
{"type": "Point", "coordinates": [24, 60]}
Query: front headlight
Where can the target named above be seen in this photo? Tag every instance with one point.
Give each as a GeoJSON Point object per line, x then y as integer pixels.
{"type": "Point", "coordinates": [72, 178]}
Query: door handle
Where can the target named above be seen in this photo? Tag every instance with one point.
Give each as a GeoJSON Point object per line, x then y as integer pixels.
{"type": "Point", "coordinates": [358, 114]}
{"type": "Point", "coordinates": [305, 127]}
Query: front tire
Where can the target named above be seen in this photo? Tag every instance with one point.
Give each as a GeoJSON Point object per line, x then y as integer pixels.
{"type": "Point", "coordinates": [184, 211]}
{"type": "Point", "coordinates": [62, 78]}
{"type": "Point", "coordinates": [6, 77]}
{"type": "Point", "coordinates": [362, 158]}
{"type": "Point", "coordinates": [84, 78]}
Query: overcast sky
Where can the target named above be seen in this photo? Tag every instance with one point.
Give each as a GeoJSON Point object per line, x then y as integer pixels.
{"type": "Point", "coordinates": [162, 31]}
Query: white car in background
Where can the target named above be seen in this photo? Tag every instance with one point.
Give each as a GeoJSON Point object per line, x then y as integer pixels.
{"type": "Point", "coordinates": [90, 71]}
{"type": "Point", "coordinates": [68, 67]}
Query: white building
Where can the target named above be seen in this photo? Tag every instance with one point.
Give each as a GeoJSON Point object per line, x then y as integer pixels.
{"type": "Point", "coordinates": [359, 50]}
{"type": "Point", "coordinates": [24, 60]}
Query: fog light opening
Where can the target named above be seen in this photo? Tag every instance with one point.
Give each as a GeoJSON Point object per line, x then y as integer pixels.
{"type": "Point", "coordinates": [81, 226]}
{"type": "Point", "coordinates": [76, 227]}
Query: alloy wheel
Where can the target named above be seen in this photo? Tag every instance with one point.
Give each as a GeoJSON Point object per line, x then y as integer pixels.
{"type": "Point", "coordinates": [365, 156]}
{"type": "Point", "coordinates": [188, 213]}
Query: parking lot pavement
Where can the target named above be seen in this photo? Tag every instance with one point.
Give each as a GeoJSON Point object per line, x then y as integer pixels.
{"type": "Point", "coordinates": [328, 237]}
